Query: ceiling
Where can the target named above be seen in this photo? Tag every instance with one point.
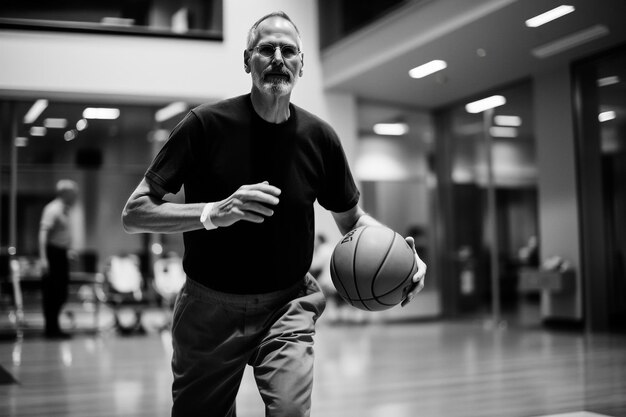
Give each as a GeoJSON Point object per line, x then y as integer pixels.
{"type": "Point", "coordinates": [484, 42]}
{"type": "Point", "coordinates": [373, 63]}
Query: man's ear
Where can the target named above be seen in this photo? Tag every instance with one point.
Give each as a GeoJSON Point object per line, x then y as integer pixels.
{"type": "Point", "coordinates": [246, 60]}
{"type": "Point", "coordinates": [301, 64]}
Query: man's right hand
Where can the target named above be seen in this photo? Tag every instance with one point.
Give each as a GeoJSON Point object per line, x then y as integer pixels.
{"type": "Point", "coordinates": [249, 203]}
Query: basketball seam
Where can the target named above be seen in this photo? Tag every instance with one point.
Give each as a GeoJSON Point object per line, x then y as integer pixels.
{"type": "Point", "coordinates": [356, 282]}
{"type": "Point", "coordinates": [332, 265]}
{"type": "Point", "coordinates": [396, 287]}
{"type": "Point", "coordinates": [376, 297]}
{"type": "Point", "coordinates": [387, 293]}
{"type": "Point", "coordinates": [381, 264]}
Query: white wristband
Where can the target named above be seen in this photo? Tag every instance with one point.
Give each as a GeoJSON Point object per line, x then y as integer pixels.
{"type": "Point", "coordinates": [205, 218]}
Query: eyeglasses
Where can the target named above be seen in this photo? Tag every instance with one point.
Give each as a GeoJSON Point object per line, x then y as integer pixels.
{"type": "Point", "coordinates": [268, 49]}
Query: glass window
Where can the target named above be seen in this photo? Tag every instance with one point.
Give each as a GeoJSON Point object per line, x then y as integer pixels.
{"type": "Point", "coordinates": [173, 18]}
{"type": "Point", "coordinates": [340, 18]}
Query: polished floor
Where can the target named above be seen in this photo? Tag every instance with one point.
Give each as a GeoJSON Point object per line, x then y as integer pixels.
{"type": "Point", "coordinates": [427, 369]}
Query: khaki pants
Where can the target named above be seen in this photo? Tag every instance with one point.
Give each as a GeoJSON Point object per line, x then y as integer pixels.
{"type": "Point", "coordinates": [215, 335]}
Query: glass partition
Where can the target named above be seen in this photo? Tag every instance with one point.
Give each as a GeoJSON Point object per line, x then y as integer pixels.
{"type": "Point", "coordinates": [104, 146]}
{"type": "Point", "coordinates": [601, 121]}
{"type": "Point", "coordinates": [488, 205]}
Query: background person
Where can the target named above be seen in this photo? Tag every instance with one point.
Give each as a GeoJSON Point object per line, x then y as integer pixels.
{"type": "Point", "coordinates": [55, 242]}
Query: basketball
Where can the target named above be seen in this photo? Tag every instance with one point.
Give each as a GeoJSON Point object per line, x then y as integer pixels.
{"type": "Point", "coordinates": [371, 267]}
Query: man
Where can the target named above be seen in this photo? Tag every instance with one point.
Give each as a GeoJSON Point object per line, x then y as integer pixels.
{"type": "Point", "coordinates": [55, 239]}
{"type": "Point", "coordinates": [252, 167]}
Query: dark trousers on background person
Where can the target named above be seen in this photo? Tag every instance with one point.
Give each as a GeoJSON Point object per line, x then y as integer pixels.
{"type": "Point", "coordinates": [54, 288]}
{"type": "Point", "coordinates": [215, 335]}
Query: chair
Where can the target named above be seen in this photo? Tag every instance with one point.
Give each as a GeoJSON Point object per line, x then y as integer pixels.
{"type": "Point", "coordinates": [169, 278]}
{"type": "Point", "coordinates": [124, 291]}
{"type": "Point", "coordinates": [10, 293]}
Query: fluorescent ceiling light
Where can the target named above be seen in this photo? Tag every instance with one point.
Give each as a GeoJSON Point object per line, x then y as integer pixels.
{"type": "Point", "coordinates": [36, 109]}
{"type": "Point", "coordinates": [101, 113]}
{"type": "Point", "coordinates": [170, 111]}
{"type": "Point", "coordinates": [485, 104]}
{"type": "Point", "coordinates": [428, 68]}
{"type": "Point", "coordinates": [549, 16]}
{"type": "Point", "coordinates": [391, 129]}
{"type": "Point", "coordinates": [606, 81]}
{"type": "Point", "coordinates": [503, 132]}
{"type": "Point", "coordinates": [51, 123]}
{"type": "Point", "coordinates": [503, 120]}
{"type": "Point", "coordinates": [570, 41]}
{"type": "Point", "coordinates": [605, 116]}
{"type": "Point", "coordinates": [38, 131]}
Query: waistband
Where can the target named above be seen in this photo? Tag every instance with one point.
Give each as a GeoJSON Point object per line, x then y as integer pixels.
{"type": "Point", "coordinates": [242, 301]}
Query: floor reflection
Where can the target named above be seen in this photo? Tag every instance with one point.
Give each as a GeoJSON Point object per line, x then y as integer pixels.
{"type": "Point", "coordinates": [432, 369]}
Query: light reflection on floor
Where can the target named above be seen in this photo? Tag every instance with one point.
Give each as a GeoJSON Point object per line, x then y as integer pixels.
{"type": "Point", "coordinates": [430, 369]}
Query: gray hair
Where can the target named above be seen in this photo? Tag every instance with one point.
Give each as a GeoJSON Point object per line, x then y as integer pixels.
{"type": "Point", "coordinates": [252, 33]}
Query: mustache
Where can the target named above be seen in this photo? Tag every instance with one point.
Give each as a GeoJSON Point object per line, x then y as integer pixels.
{"type": "Point", "coordinates": [277, 71]}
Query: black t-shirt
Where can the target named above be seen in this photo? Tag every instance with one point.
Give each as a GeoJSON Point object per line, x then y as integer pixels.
{"type": "Point", "coordinates": [219, 147]}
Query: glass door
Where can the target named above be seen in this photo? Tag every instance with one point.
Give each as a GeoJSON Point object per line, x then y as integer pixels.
{"type": "Point", "coordinates": [488, 200]}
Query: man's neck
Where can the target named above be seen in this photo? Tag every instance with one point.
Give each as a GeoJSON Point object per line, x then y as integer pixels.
{"type": "Point", "coordinates": [272, 109]}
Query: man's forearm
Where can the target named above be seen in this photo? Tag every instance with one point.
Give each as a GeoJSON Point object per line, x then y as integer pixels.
{"type": "Point", "coordinates": [354, 218]}
{"type": "Point", "coordinates": [146, 215]}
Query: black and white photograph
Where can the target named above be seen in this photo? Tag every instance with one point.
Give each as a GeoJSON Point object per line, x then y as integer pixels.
{"type": "Point", "coordinates": [313, 208]}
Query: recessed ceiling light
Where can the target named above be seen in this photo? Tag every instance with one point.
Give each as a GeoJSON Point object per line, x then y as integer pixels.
{"type": "Point", "coordinates": [503, 120]}
{"type": "Point", "coordinates": [101, 113]}
{"type": "Point", "coordinates": [21, 142]}
{"type": "Point", "coordinates": [36, 109]}
{"type": "Point", "coordinates": [391, 129]}
{"type": "Point", "coordinates": [38, 131]}
{"type": "Point", "coordinates": [549, 16]}
{"type": "Point", "coordinates": [605, 116]}
{"type": "Point", "coordinates": [503, 132]}
{"type": "Point", "coordinates": [485, 104]}
{"type": "Point", "coordinates": [570, 41]}
{"type": "Point", "coordinates": [81, 125]}
{"type": "Point", "coordinates": [159, 135]}
{"type": "Point", "coordinates": [606, 81]}
{"type": "Point", "coordinates": [69, 135]}
{"type": "Point", "coordinates": [117, 21]}
{"type": "Point", "coordinates": [170, 111]}
{"type": "Point", "coordinates": [52, 123]}
{"type": "Point", "coordinates": [428, 68]}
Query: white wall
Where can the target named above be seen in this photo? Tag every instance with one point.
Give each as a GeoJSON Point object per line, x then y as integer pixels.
{"type": "Point", "coordinates": [342, 115]}
{"type": "Point", "coordinates": [65, 63]}
{"type": "Point", "coordinates": [558, 210]}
